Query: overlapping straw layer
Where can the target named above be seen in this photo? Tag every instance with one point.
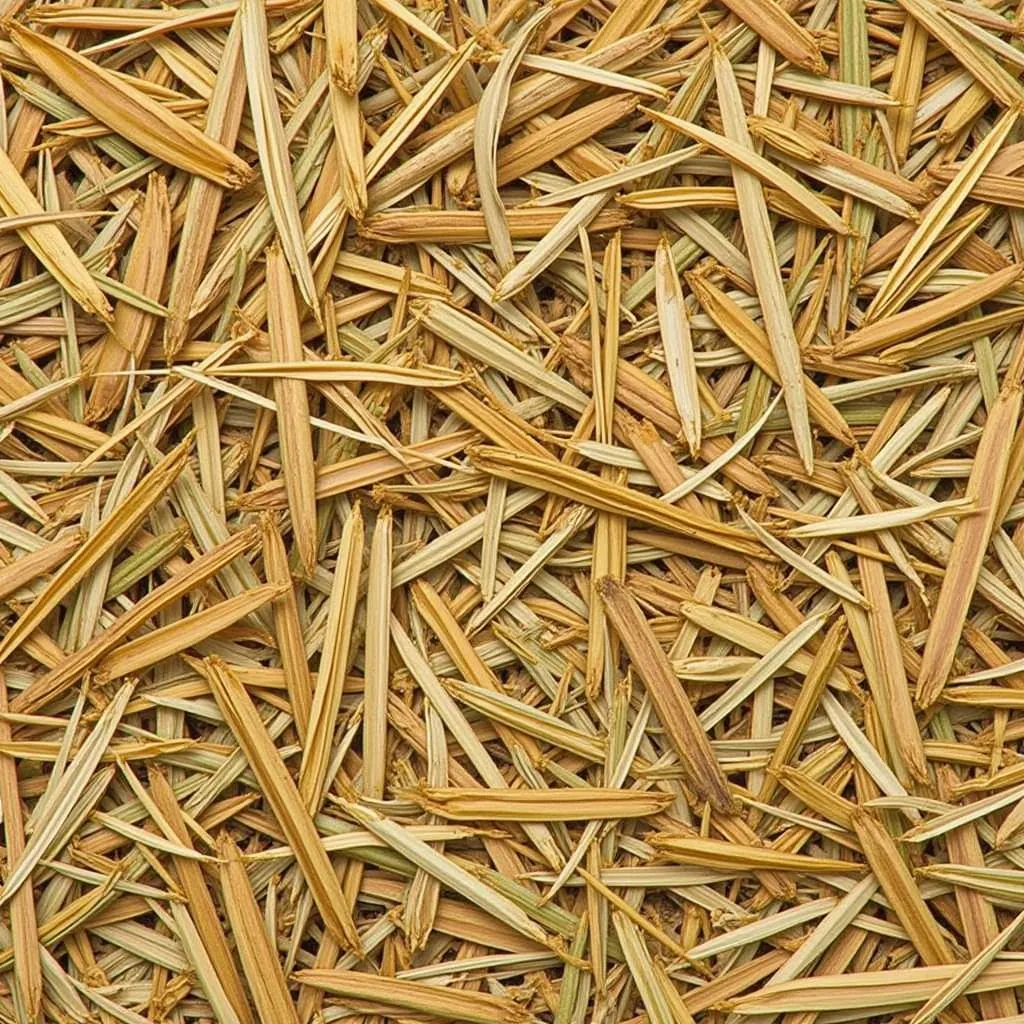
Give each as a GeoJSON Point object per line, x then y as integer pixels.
{"type": "Point", "coordinates": [511, 512]}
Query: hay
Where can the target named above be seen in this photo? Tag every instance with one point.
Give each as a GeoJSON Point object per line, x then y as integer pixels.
{"type": "Point", "coordinates": [511, 512]}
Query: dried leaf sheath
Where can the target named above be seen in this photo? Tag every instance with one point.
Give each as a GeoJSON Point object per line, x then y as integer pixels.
{"type": "Point", "coordinates": [66, 790]}
{"type": "Point", "coordinates": [161, 643]}
{"type": "Point", "coordinates": [971, 541]}
{"type": "Point", "coordinates": [715, 853]}
{"type": "Point", "coordinates": [283, 797]}
{"type": "Point", "coordinates": [292, 404]}
{"type": "Point", "coordinates": [224, 115]}
{"type": "Point", "coordinates": [130, 112]}
{"type": "Point", "coordinates": [409, 996]}
{"type": "Point", "coordinates": [895, 696]}
{"type": "Point", "coordinates": [378, 647]}
{"type": "Point", "coordinates": [775, 26]}
{"type": "Point", "coordinates": [548, 805]}
{"type": "Point", "coordinates": [111, 533]}
{"type": "Point", "coordinates": [341, 32]}
{"type": "Point", "coordinates": [764, 263]}
{"type": "Point", "coordinates": [287, 625]}
{"type": "Point", "coordinates": [73, 667]}
{"type": "Point", "coordinates": [125, 345]}
{"type": "Point", "coordinates": [201, 905]}
{"type": "Point", "coordinates": [272, 145]}
{"type": "Point", "coordinates": [673, 709]}
{"type": "Point", "coordinates": [942, 211]}
{"type": "Point", "coordinates": [896, 881]}
{"type": "Point", "coordinates": [263, 973]}
{"type": "Point", "coordinates": [486, 131]}
{"type": "Point", "coordinates": [743, 330]}
{"type": "Point", "coordinates": [606, 496]}
{"type": "Point", "coordinates": [48, 243]}
{"type": "Point", "coordinates": [330, 677]}
{"type": "Point", "coordinates": [677, 341]}
{"type": "Point", "coordinates": [24, 926]}
{"type": "Point", "coordinates": [869, 990]}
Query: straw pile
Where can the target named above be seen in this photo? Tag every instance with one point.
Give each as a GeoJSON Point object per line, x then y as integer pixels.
{"type": "Point", "coordinates": [511, 513]}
